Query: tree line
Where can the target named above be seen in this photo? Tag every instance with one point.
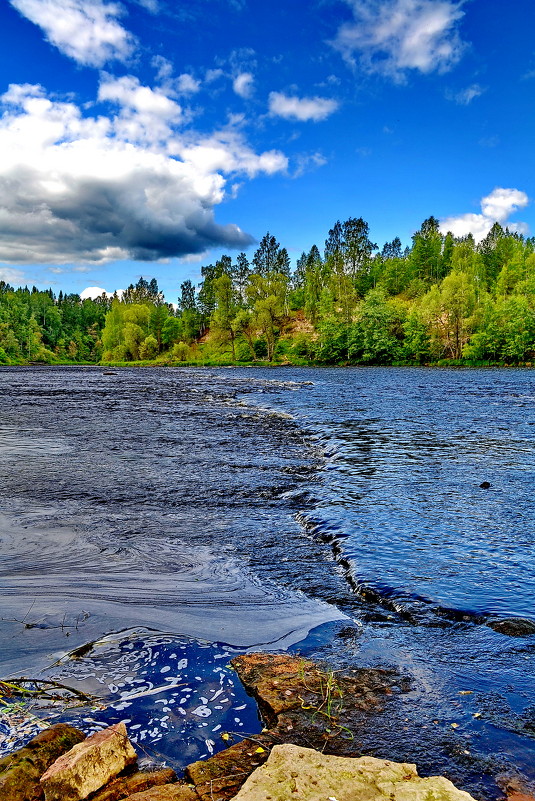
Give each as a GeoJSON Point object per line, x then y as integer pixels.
{"type": "Point", "coordinates": [441, 299]}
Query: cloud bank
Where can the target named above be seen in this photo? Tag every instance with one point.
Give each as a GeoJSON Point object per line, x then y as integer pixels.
{"type": "Point", "coordinates": [496, 207]}
{"type": "Point", "coordinates": [85, 30]}
{"type": "Point", "coordinates": [301, 108]}
{"type": "Point", "coordinates": [128, 184]}
{"type": "Point", "coordinates": [392, 37]}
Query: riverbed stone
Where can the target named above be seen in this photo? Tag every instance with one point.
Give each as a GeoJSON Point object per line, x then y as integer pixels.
{"type": "Point", "coordinates": [305, 774]}
{"type": "Point", "coordinates": [89, 765]}
{"type": "Point", "coordinates": [21, 770]}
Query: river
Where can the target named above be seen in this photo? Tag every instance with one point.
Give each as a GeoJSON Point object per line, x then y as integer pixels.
{"type": "Point", "coordinates": [175, 517]}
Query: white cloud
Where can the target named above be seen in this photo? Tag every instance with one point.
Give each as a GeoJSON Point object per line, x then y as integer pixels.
{"type": "Point", "coordinates": [187, 84]}
{"type": "Point", "coordinates": [301, 108]}
{"type": "Point", "coordinates": [129, 93]}
{"type": "Point", "coordinates": [97, 292]}
{"type": "Point", "coordinates": [496, 207]}
{"type": "Point", "coordinates": [465, 96]}
{"type": "Point", "coordinates": [243, 84]}
{"type": "Point", "coordinates": [214, 75]}
{"type": "Point", "coordinates": [146, 115]}
{"type": "Point", "coordinates": [393, 36]}
{"type": "Point", "coordinates": [307, 162]}
{"type": "Point", "coordinates": [85, 30]}
{"type": "Point", "coordinates": [150, 5]}
{"type": "Point", "coordinates": [10, 276]}
{"type": "Point", "coordinates": [130, 184]}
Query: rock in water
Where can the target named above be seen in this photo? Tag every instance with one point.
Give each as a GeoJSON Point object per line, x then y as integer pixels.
{"type": "Point", "coordinates": [21, 770]}
{"type": "Point", "coordinates": [295, 772]}
{"type": "Point", "coordinates": [89, 765]}
{"type": "Point", "coordinates": [513, 626]}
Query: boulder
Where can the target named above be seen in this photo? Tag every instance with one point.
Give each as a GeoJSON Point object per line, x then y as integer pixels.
{"type": "Point", "coordinates": [295, 772]}
{"type": "Point", "coordinates": [21, 770]}
{"type": "Point", "coordinates": [89, 765]}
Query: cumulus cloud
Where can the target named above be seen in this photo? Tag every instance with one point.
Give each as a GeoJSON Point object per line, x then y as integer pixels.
{"type": "Point", "coordinates": [496, 207]}
{"type": "Point", "coordinates": [243, 84]}
{"type": "Point", "coordinates": [301, 108]}
{"type": "Point", "coordinates": [465, 96]}
{"type": "Point", "coordinates": [146, 115]}
{"type": "Point", "coordinates": [392, 37]}
{"type": "Point", "coordinates": [126, 184]}
{"type": "Point", "coordinates": [85, 30]}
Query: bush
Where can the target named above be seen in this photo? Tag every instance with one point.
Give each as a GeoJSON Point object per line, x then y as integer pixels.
{"type": "Point", "coordinates": [180, 352]}
{"type": "Point", "coordinates": [260, 348]}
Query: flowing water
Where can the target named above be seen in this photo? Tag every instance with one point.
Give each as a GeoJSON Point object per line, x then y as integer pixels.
{"type": "Point", "coordinates": [192, 514]}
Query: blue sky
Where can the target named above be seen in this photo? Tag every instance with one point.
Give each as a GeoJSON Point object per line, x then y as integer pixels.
{"type": "Point", "coordinates": [147, 137]}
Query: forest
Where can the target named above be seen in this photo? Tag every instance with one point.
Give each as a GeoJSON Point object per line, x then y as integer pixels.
{"type": "Point", "coordinates": [444, 300]}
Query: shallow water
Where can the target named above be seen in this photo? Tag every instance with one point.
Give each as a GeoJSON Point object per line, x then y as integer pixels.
{"type": "Point", "coordinates": [251, 507]}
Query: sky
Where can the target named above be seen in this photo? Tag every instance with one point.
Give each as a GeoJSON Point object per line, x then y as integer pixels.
{"type": "Point", "coordinates": [148, 137]}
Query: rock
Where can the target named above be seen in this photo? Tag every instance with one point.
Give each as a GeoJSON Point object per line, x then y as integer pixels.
{"type": "Point", "coordinates": [520, 797]}
{"type": "Point", "coordinates": [307, 775]}
{"type": "Point", "coordinates": [20, 771]}
{"type": "Point", "coordinates": [221, 776]}
{"type": "Point", "coordinates": [513, 626]}
{"type": "Point", "coordinates": [276, 680]}
{"type": "Point", "coordinates": [308, 705]}
{"type": "Point", "coordinates": [484, 485]}
{"type": "Point", "coordinates": [168, 792]}
{"type": "Point", "coordinates": [124, 786]}
{"type": "Point", "coordinates": [89, 765]}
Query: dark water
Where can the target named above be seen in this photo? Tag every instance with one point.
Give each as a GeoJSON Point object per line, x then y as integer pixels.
{"type": "Point", "coordinates": [218, 510]}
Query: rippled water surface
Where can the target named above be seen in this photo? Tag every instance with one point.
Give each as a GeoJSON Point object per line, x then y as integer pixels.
{"type": "Point", "coordinates": [255, 508]}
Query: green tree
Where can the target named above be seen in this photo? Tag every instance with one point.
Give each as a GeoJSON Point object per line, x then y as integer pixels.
{"type": "Point", "coordinates": [225, 323]}
{"type": "Point", "coordinates": [267, 296]}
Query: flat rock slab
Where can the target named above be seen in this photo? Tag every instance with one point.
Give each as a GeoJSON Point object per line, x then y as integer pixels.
{"type": "Point", "coordinates": [306, 704]}
{"type": "Point", "coordinates": [20, 771]}
{"type": "Point", "coordinates": [303, 773]}
{"type": "Point", "coordinates": [89, 765]}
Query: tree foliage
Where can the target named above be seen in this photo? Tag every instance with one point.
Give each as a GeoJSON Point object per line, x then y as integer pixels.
{"type": "Point", "coordinates": [441, 298]}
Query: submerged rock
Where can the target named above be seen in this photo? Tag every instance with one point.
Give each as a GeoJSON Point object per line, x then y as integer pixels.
{"type": "Point", "coordinates": [513, 626]}
{"type": "Point", "coordinates": [89, 765]}
{"type": "Point", "coordinates": [303, 773]}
